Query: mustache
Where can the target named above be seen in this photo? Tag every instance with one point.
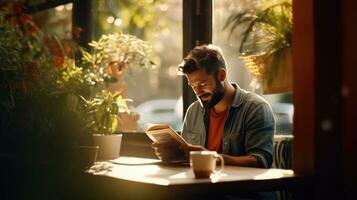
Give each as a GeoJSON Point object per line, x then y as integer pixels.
{"type": "Point", "coordinates": [204, 95]}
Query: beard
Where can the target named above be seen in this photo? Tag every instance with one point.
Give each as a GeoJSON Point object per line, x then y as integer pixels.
{"type": "Point", "coordinates": [216, 96]}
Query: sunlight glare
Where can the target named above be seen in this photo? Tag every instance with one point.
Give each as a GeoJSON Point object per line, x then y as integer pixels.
{"type": "Point", "coordinates": [110, 19]}
{"type": "Point", "coordinates": [118, 22]}
{"type": "Point", "coordinates": [272, 173]}
{"type": "Point", "coordinates": [179, 176]}
{"type": "Point", "coordinates": [59, 8]}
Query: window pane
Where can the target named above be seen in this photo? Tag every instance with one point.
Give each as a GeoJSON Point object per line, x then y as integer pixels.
{"type": "Point", "coordinates": [282, 102]}
{"type": "Point", "coordinates": [155, 92]}
{"type": "Point", "coordinates": [57, 21]}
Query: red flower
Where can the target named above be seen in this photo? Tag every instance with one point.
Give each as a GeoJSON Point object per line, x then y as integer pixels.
{"type": "Point", "coordinates": [76, 32]}
{"type": "Point", "coordinates": [68, 51]}
{"type": "Point", "coordinates": [58, 61]}
{"type": "Point", "coordinates": [25, 19]}
{"type": "Point", "coordinates": [53, 47]}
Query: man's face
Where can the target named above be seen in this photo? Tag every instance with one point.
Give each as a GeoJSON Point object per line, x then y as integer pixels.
{"type": "Point", "coordinates": [206, 87]}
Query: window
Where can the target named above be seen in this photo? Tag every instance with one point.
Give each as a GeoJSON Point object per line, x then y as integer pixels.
{"type": "Point", "coordinates": [57, 21]}
{"type": "Point", "coordinates": [155, 92]}
{"type": "Point", "coordinates": [160, 23]}
{"type": "Point", "coordinates": [282, 102]}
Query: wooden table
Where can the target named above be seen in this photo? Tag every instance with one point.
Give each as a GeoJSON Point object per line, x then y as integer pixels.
{"type": "Point", "coordinates": [138, 178]}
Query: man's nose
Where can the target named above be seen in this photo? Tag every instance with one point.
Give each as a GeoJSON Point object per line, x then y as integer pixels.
{"type": "Point", "coordinates": [199, 93]}
{"type": "Point", "coordinates": [197, 90]}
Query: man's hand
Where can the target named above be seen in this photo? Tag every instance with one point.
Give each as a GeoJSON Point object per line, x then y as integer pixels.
{"type": "Point", "coordinates": [161, 150]}
{"type": "Point", "coordinates": [165, 151]}
{"type": "Point", "coordinates": [192, 147]}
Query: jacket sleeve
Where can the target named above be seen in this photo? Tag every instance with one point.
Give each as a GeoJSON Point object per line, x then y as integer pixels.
{"type": "Point", "coordinates": [193, 128]}
{"type": "Point", "coordinates": [185, 129]}
{"type": "Point", "coordinates": [260, 134]}
{"type": "Point", "coordinates": [185, 124]}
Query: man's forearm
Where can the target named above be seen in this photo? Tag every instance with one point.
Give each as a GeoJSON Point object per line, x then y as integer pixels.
{"type": "Point", "coordinates": [244, 161]}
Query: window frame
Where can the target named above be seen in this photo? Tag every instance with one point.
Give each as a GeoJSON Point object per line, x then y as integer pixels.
{"type": "Point", "coordinates": [197, 29]}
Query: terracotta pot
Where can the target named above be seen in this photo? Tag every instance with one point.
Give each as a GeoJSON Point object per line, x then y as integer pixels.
{"type": "Point", "coordinates": [128, 122]}
{"type": "Point", "coordinates": [117, 69]}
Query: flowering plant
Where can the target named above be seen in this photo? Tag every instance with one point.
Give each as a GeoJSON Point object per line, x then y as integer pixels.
{"type": "Point", "coordinates": [112, 56]}
{"type": "Point", "coordinates": [40, 86]}
{"type": "Point", "coordinates": [115, 53]}
{"type": "Point", "coordinates": [32, 63]}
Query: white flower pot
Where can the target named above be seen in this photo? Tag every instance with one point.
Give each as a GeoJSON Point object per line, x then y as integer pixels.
{"type": "Point", "coordinates": [109, 146]}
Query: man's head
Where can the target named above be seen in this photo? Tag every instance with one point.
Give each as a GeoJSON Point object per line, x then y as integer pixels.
{"type": "Point", "coordinates": [205, 70]}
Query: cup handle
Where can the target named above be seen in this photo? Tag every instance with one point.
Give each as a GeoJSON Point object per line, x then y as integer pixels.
{"type": "Point", "coordinates": [220, 158]}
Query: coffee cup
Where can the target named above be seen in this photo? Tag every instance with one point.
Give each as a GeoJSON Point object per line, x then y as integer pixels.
{"type": "Point", "coordinates": [203, 163]}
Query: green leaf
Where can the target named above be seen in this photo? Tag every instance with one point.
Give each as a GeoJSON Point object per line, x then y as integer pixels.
{"type": "Point", "coordinates": [114, 123]}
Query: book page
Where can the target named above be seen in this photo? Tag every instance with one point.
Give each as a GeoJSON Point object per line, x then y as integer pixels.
{"type": "Point", "coordinates": [160, 136]}
{"type": "Point", "coordinates": [149, 126]}
{"type": "Point", "coordinates": [165, 135]}
{"type": "Point", "coordinates": [162, 133]}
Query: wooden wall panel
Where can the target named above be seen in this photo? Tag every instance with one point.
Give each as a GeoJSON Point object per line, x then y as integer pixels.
{"type": "Point", "coordinates": [349, 97]}
{"type": "Point", "coordinates": [304, 86]}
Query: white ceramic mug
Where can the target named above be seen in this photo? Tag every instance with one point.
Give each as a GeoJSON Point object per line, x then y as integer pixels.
{"type": "Point", "coordinates": [203, 163]}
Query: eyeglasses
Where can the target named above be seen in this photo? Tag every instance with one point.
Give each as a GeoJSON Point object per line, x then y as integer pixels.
{"type": "Point", "coordinates": [199, 86]}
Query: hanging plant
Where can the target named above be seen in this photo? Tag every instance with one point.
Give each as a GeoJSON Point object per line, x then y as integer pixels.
{"type": "Point", "coordinates": [266, 39]}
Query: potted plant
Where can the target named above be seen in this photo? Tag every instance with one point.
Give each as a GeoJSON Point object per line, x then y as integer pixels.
{"type": "Point", "coordinates": [40, 85]}
{"type": "Point", "coordinates": [101, 113]}
{"type": "Point", "coordinates": [266, 43]}
{"type": "Point", "coordinates": [116, 55]}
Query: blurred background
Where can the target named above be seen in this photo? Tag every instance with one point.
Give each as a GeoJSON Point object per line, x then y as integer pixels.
{"type": "Point", "coordinates": [156, 93]}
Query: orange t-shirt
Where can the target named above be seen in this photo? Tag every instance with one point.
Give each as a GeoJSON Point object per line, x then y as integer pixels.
{"type": "Point", "coordinates": [216, 129]}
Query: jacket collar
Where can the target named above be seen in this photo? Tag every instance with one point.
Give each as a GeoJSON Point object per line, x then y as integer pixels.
{"type": "Point", "coordinates": [238, 96]}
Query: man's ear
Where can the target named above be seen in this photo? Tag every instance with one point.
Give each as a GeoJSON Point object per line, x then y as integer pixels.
{"type": "Point", "coordinates": [222, 74]}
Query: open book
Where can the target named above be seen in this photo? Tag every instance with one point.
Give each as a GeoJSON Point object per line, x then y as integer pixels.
{"type": "Point", "coordinates": [163, 133]}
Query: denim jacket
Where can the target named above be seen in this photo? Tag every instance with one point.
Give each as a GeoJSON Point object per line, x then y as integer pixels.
{"type": "Point", "coordinates": [249, 128]}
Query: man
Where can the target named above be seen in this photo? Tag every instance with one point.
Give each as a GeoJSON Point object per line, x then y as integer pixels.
{"type": "Point", "coordinates": [225, 118]}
